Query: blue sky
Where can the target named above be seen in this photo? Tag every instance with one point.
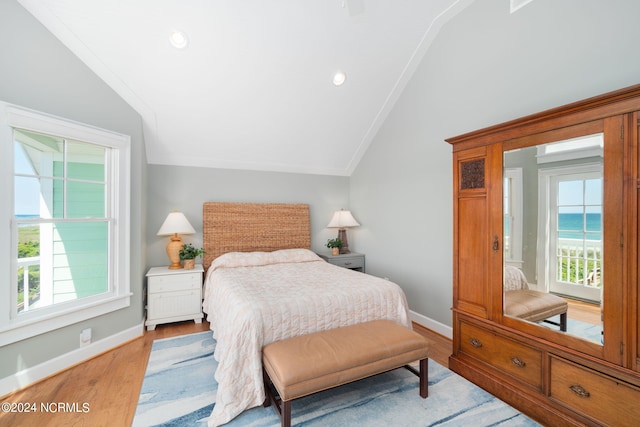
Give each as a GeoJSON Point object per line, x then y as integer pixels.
{"type": "Point", "coordinates": [572, 193]}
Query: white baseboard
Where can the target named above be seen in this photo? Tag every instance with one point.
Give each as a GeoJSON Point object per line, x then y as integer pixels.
{"type": "Point", "coordinates": [434, 325]}
{"type": "Point", "coordinates": [36, 373]}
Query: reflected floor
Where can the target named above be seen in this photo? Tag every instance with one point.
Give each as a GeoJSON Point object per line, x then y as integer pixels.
{"type": "Point", "coordinates": [583, 311]}
{"type": "Point", "coordinates": [583, 320]}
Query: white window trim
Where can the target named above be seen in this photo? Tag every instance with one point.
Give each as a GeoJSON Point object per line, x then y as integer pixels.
{"type": "Point", "coordinates": [589, 146]}
{"type": "Point", "coordinates": [517, 217]}
{"type": "Point", "coordinates": [119, 295]}
{"type": "Point", "coordinates": [545, 177]}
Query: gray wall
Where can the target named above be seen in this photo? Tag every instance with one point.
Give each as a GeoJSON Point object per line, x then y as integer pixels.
{"type": "Point", "coordinates": [38, 72]}
{"type": "Point", "coordinates": [484, 67]}
{"type": "Point", "coordinates": [186, 188]}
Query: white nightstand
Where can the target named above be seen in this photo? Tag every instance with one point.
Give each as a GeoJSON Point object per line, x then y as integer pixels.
{"type": "Point", "coordinates": [173, 295]}
{"type": "Point", "coordinates": [352, 261]}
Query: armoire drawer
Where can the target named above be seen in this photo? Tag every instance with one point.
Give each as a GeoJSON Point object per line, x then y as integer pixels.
{"type": "Point", "coordinates": [511, 357]}
{"type": "Point", "coordinates": [594, 394]}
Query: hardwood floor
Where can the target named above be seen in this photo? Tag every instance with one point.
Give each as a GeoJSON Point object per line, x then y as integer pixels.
{"type": "Point", "coordinates": [584, 311]}
{"type": "Point", "coordinates": [109, 383]}
{"type": "Point", "coordinates": [104, 391]}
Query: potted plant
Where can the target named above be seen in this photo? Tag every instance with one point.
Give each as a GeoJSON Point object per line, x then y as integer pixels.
{"type": "Point", "coordinates": [334, 245]}
{"type": "Point", "coordinates": [188, 254]}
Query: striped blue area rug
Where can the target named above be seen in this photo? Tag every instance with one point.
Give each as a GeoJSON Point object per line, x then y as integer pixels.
{"type": "Point", "coordinates": [179, 390]}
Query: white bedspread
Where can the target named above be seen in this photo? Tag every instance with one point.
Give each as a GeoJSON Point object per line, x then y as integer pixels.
{"type": "Point", "coordinates": [253, 299]}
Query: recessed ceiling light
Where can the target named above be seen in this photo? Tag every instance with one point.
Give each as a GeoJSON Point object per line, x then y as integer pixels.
{"type": "Point", "coordinates": [339, 78]}
{"type": "Point", "coordinates": [178, 39]}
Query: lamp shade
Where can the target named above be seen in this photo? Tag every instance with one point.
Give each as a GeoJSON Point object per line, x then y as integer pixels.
{"type": "Point", "coordinates": [342, 219]}
{"type": "Point", "coordinates": [176, 223]}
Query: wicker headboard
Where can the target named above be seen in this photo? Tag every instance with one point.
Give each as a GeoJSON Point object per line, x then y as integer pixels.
{"type": "Point", "coordinates": [248, 227]}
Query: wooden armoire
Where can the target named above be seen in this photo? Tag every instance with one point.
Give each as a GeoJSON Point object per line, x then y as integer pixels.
{"type": "Point", "coordinates": [555, 377]}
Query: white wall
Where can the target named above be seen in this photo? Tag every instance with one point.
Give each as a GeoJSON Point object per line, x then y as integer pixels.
{"type": "Point", "coordinates": [484, 67]}
{"type": "Point", "coordinates": [38, 72]}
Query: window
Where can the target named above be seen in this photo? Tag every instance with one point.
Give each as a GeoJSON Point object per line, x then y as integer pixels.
{"type": "Point", "coordinates": [576, 224]}
{"type": "Point", "coordinates": [68, 216]}
{"type": "Point", "coordinates": [570, 203]}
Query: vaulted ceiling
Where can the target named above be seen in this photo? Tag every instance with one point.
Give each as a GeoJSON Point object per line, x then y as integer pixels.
{"type": "Point", "coordinates": [253, 87]}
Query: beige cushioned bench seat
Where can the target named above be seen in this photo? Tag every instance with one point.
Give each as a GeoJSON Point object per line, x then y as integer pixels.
{"type": "Point", "coordinates": [527, 304]}
{"type": "Point", "coordinates": [307, 364]}
{"type": "Point", "coordinates": [535, 306]}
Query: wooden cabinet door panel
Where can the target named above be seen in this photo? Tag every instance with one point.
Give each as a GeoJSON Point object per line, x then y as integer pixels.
{"type": "Point", "coordinates": [472, 253]}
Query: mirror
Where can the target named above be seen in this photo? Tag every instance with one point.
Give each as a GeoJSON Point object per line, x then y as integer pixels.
{"type": "Point", "coordinates": [552, 206]}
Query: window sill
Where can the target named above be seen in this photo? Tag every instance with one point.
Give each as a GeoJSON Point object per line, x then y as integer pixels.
{"type": "Point", "coordinates": [19, 329]}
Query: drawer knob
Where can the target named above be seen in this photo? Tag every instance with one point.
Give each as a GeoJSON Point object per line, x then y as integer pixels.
{"type": "Point", "coordinates": [518, 362]}
{"type": "Point", "coordinates": [347, 263]}
{"type": "Point", "coordinates": [476, 343]}
{"type": "Point", "coordinates": [579, 390]}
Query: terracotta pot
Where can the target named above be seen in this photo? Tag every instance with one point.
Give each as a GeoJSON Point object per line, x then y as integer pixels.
{"type": "Point", "coordinates": [335, 251]}
{"type": "Point", "coordinates": [189, 264]}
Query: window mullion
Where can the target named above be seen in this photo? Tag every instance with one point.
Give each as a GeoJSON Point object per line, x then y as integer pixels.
{"type": "Point", "coordinates": [64, 178]}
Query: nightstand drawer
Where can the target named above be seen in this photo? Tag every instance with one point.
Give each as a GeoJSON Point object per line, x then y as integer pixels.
{"type": "Point", "coordinates": [183, 303]}
{"type": "Point", "coordinates": [178, 282]}
{"type": "Point", "coordinates": [353, 261]}
{"type": "Point", "coordinates": [348, 262]}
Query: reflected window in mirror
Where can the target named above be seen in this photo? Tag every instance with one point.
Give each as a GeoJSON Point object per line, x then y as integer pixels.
{"type": "Point", "coordinates": [571, 216]}
{"type": "Point", "coordinates": [512, 193]}
{"type": "Point", "coordinates": [552, 205]}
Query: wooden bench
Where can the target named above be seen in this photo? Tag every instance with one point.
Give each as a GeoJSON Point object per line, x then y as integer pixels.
{"type": "Point", "coordinates": [308, 364]}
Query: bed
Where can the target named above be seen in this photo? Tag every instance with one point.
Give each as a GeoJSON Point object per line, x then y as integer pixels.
{"type": "Point", "coordinates": [264, 284]}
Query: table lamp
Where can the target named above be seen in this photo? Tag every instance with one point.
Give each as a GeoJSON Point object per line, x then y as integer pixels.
{"type": "Point", "coordinates": [342, 220]}
{"type": "Point", "coordinates": [175, 224]}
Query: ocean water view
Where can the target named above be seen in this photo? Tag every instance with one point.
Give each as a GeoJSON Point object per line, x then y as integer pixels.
{"type": "Point", "coordinates": [23, 216]}
{"type": "Point", "coordinates": [571, 226]}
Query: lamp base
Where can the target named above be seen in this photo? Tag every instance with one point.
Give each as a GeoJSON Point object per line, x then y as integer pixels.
{"type": "Point", "coordinates": [173, 251]}
{"type": "Point", "coordinates": [342, 235]}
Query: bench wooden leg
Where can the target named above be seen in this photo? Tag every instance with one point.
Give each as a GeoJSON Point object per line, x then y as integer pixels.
{"type": "Point", "coordinates": [286, 414]}
{"type": "Point", "coordinates": [423, 375]}
{"type": "Point", "coordinates": [563, 322]}
{"type": "Point", "coordinates": [424, 378]}
{"type": "Point", "coordinates": [282, 408]}
{"type": "Point", "coordinates": [267, 397]}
